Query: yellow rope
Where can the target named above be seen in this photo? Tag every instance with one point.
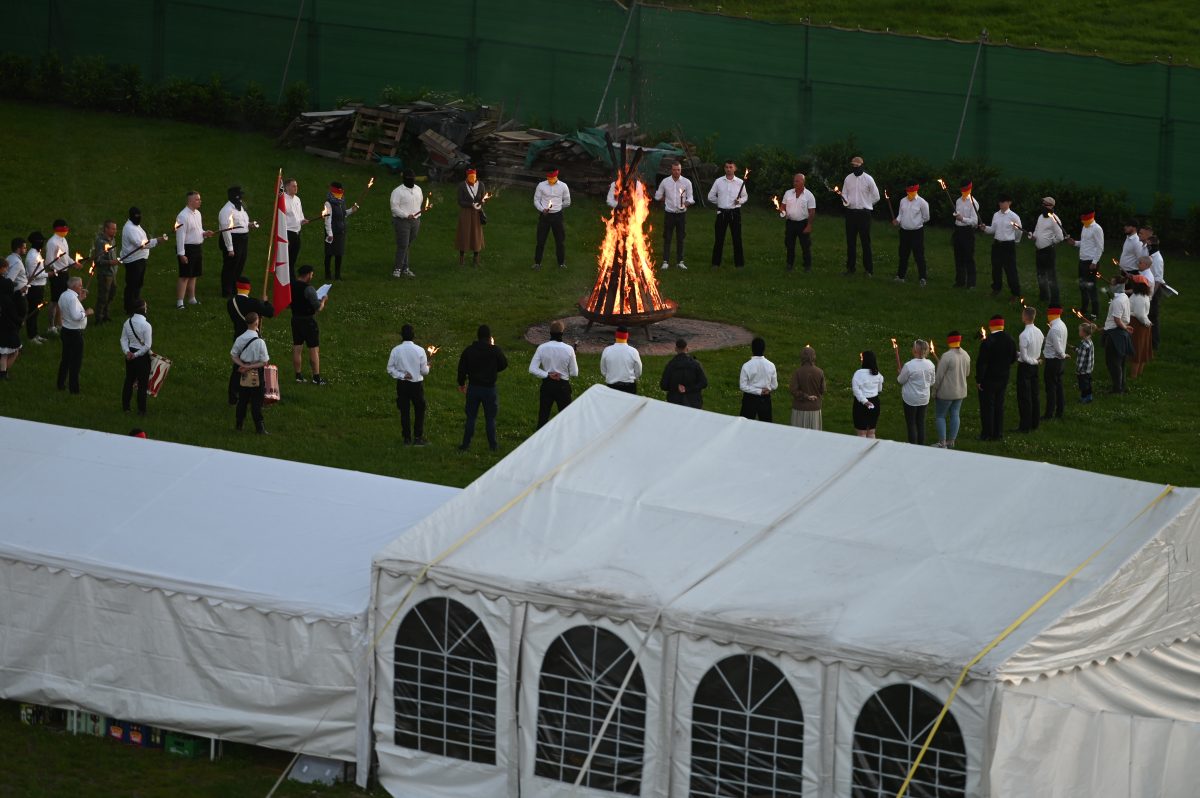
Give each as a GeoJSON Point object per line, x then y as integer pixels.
{"type": "Point", "coordinates": [1012, 627]}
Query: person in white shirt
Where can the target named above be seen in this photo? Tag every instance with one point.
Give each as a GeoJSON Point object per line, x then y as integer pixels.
{"type": "Point", "coordinates": [555, 364]}
{"type": "Point", "coordinates": [916, 378]}
{"type": "Point", "coordinates": [35, 272]}
{"type": "Point", "coordinates": [1159, 271]}
{"type": "Point", "coordinates": [1091, 248]}
{"type": "Point", "coordinates": [1131, 249]}
{"type": "Point", "coordinates": [798, 209]}
{"type": "Point", "coordinates": [911, 218]}
{"type": "Point", "coordinates": [966, 220]}
{"type": "Point", "coordinates": [293, 221]}
{"type": "Point", "coordinates": [10, 320]}
{"type": "Point", "coordinates": [638, 188]}
{"type": "Point", "coordinates": [233, 224]}
{"type": "Point", "coordinates": [729, 195]}
{"type": "Point", "coordinates": [1046, 236]}
{"type": "Point", "coordinates": [859, 195]}
{"type": "Point", "coordinates": [866, 385]}
{"type": "Point", "coordinates": [189, 236]}
{"type": "Point", "coordinates": [1118, 335]}
{"type": "Point", "coordinates": [758, 380]}
{"type": "Point", "coordinates": [20, 280]}
{"type": "Point", "coordinates": [74, 322]}
{"type": "Point", "coordinates": [1005, 230]}
{"type": "Point", "coordinates": [408, 364]}
{"type": "Point", "coordinates": [1029, 350]}
{"type": "Point", "coordinates": [135, 253]}
{"type": "Point", "coordinates": [249, 354]}
{"type": "Point", "coordinates": [58, 261]}
{"type": "Point", "coordinates": [136, 339]}
{"type": "Point", "coordinates": [550, 199]}
{"type": "Point", "coordinates": [407, 202]}
{"type": "Point", "coordinates": [620, 364]}
{"type": "Point", "coordinates": [675, 193]}
{"type": "Point", "coordinates": [1054, 355]}
{"type": "Point", "coordinates": [336, 212]}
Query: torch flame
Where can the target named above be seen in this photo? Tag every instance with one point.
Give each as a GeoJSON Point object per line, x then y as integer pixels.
{"type": "Point", "coordinates": [837, 190]}
{"type": "Point", "coordinates": [745, 174]}
{"type": "Point", "coordinates": [432, 350]}
{"type": "Point", "coordinates": [983, 333]}
{"type": "Point", "coordinates": [486, 196]}
{"type": "Point", "coordinates": [107, 247]}
{"type": "Point", "coordinates": [942, 183]}
{"type": "Point", "coordinates": [886, 195]}
{"type": "Point", "coordinates": [633, 286]}
{"type": "Point", "coordinates": [370, 182]}
{"type": "Point", "coordinates": [894, 345]}
{"type": "Point", "coordinates": [78, 258]}
{"type": "Point", "coordinates": [1116, 262]}
{"type": "Point", "coordinates": [178, 225]}
{"type": "Point", "coordinates": [932, 348]}
{"type": "Point", "coordinates": [775, 202]}
{"type": "Point", "coordinates": [428, 204]}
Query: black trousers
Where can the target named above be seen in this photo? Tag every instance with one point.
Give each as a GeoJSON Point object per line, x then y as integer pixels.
{"type": "Point", "coordinates": [137, 371]}
{"type": "Point", "coordinates": [858, 228]}
{"type": "Point", "coordinates": [963, 240]}
{"type": "Point", "coordinates": [793, 231]}
{"type": "Point", "coordinates": [252, 398]}
{"type": "Point", "coordinates": [756, 406]}
{"type": "Point", "coordinates": [624, 387]}
{"type": "Point", "coordinates": [135, 278]}
{"type": "Point", "coordinates": [991, 410]}
{"type": "Point", "coordinates": [293, 252]}
{"type": "Point", "coordinates": [674, 224]}
{"type": "Point", "coordinates": [71, 360]}
{"type": "Point", "coordinates": [410, 398]}
{"type": "Point", "coordinates": [1089, 295]}
{"type": "Point", "coordinates": [1152, 315]}
{"type": "Point", "coordinates": [1004, 265]}
{"type": "Point", "coordinates": [333, 255]}
{"type": "Point", "coordinates": [914, 419]}
{"type": "Point", "coordinates": [1052, 378]}
{"type": "Point", "coordinates": [912, 242]}
{"type": "Point", "coordinates": [234, 384]}
{"type": "Point", "coordinates": [487, 398]}
{"type": "Point", "coordinates": [1114, 359]}
{"type": "Point", "coordinates": [552, 392]}
{"type": "Point", "coordinates": [33, 298]}
{"type": "Point", "coordinates": [1027, 396]}
{"type": "Point", "coordinates": [547, 223]}
{"type": "Point", "coordinates": [232, 265]}
{"type": "Point", "coordinates": [1047, 275]}
{"type": "Point", "coordinates": [106, 292]}
{"type": "Point", "coordinates": [1085, 385]}
{"type": "Point", "coordinates": [730, 220]}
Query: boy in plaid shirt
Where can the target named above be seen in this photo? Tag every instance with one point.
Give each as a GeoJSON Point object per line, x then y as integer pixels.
{"type": "Point", "coordinates": [1085, 361]}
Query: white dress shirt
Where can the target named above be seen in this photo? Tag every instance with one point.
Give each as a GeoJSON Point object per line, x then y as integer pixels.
{"type": "Point", "coordinates": [1056, 341]}
{"type": "Point", "coordinates": [191, 230]}
{"type": "Point", "coordinates": [1091, 243]}
{"type": "Point", "coordinates": [551, 197]}
{"type": "Point", "coordinates": [554, 356]}
{"type": "Point", "coordinates": [73, 315]}
{"type": "Point", "coordinates": [758, 373]}
{"type": "Point", "coordinates": [865, 385]}
{"type": "Point", "coordinates": [1131, 250]}
{"type": "Point", "coordinates": [1156, 266]}
{"type": "Point", "coordinates": [58, 254]}
{"type": "Point", "coordinates": [859, 192]}
{"type": "Point", "coordinates": [1002, 228]}
{"type": "Point", "coordinates": [16, 271]}
{"type": "Point", "coordinates": [132, 236]}
{"type": "Point", "coordinates": [1139, 308]}
{"type": "Point", "coordinates": [35, 267]}
{"type": "Point", "coordinates": [250, 348]}
{"type": "Point", "coordinates": [675, 195]}
{"type": "Point", "coordinates": [408, 362]}
{"type": "Point", "coordinates": [293, 212]}
{"type": "Point", "coordinates": [728, 193]}
{"type": "Point", "coordinates": [639, 190]}
{"type": "Point", "coordinates": [136, 335]}
{"type": "Point", "coordinates": [620, 363]}
{"type": "Point", "coordinates": [797, 208]}
{"type": "Point", "coordinates": [916, 378]}
{"type": "Point", "coordinates": [1118, 308]}
{"type": "Point", "coordinates": [913, 214]}
{"type": "Point", "coordinates": [1047, 232]}
{"type": "Point", "coordinates": [967, 209]}
{"type": "Point", "coordinates": [1029, 345]}
{"type": "Point", "coordinates": [406, 201]}
{"type": "Point", "coordinates": [230, 217]}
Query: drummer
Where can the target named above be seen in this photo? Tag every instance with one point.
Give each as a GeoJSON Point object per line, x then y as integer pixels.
{"type": "Point", "coordinates": [249, 353]}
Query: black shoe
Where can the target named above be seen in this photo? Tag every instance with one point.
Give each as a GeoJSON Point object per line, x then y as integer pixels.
{"type": "Point", "coordinates": [420, 442]}
{"type": "Point", "coordinates": [464, 448]}
{"type": "Point", "coordinates": [319, 380]}
{"type": "Point", "coordinates": [299, 378]}
{"type": "Point", "coordinates": [494, 447]}
{"type": "Point", "coordinates": [406, 442]}
{"type": "Point", "coordinates": [261, 431]}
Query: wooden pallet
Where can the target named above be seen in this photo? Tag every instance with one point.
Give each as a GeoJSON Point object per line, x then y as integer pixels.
{"type": "Point", "coordinates": [376, 133]}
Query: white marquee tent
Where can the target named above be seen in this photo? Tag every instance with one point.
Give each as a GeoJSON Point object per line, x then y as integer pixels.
{"type": "Point", "coordinates": [193, 589]}
{"type": "Point", "coordinates": [736, 608]}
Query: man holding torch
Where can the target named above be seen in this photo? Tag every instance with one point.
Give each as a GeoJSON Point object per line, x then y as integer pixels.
{"type": "Point", "coordinates": [549, 199]}
{"type": "Point", "coordinates": [798, 209]}
{"type": "Point", "coordinates": [728, 194]}
{"type": "Point", "coordinates": [233, 223]}
{"type": "Point", "coordinates": [406, 204]}
{"type": "Point", "coordinates": [135, 252]}
{"type": "Point", "coordinates": [859, 193]}
{"type": "Point", "coordinates": [57, 261]}
{"type": "Point", "coordinates": [105, 258]}
{"type": "Point", "coordinates": [911, 219]}
{"type": "Point", "coordinates": [189, 236]}
{"type": "Point", "coordinates": [966, 219]}
{"type": "Point", "coordinates": [35, 272]}
{"type": "Point", "coordinates": [675, 193]}
{"type": "Point", "coordinates": [1091, 248]}
{"type": "Point", "coordinates": [408, 364]}
{"type": "Point", "coordinates": [1046, 235]}
{"type": "Point", "coordinates": [1005, 230]}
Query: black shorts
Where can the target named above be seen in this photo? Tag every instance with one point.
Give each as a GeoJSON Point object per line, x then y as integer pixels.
{"type": "Point", "coordinates": [58, 284]}
{"type": "Point", "coordinates": [195, 257]}
{"type": "Point", "coordinates": [305, 332]}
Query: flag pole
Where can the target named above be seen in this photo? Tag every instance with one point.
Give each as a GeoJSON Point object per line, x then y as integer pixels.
{"type": "Point", "coordinates": [271, 238]}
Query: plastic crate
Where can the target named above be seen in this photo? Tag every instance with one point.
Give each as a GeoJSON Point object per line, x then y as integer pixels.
{"type": "Point", "coordinates": [90, 723]}
{"type": "Point", "coordinates": [186, 745]}
{"type": "Point", "coordinates": [38, 715]}
{"type": "Point", "coordinates": [138, 734]}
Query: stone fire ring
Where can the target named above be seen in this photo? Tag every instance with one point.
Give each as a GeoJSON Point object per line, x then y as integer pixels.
{"type": "Point", "coordinates": [701, 335]}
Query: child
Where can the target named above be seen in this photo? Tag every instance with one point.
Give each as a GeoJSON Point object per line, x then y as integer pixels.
{"type": "Point", "coordinates": [1085, 359]}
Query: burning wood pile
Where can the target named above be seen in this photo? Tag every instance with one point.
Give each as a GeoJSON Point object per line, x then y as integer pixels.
{"type": "Point", "coordinates": [626, 290]}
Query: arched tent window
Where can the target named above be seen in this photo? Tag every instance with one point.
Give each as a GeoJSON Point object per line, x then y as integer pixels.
{"type": "Point", "coordinates": [888, 736]}
{"type": "Point", "coordinates": [445, 685]}
{"type": "Point", "coordinates": [581, 675]}
{"type": "Point", "coordinates": [747, 732]}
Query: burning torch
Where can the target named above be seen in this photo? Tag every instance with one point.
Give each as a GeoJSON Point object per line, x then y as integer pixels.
{"type": "Point", "coordinates": [896, 352]}
{"type": "Point", "coordinates": [891, 212]}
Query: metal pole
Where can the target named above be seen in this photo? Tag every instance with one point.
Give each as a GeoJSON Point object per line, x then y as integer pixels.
{"type": "Point", "coordinates": [287, 64]}
{"type": "Point", "coordinates": [616, 57]}
{"type": "Point", "coordinates": [970, 85]}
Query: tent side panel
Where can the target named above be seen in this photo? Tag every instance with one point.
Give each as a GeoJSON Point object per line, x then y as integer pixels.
{"type": "Point", "coordinates": [177, 661]}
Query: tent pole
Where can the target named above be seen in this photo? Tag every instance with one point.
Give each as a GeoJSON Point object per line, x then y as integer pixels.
{"type": "Point", "coordinates": [970, 85]}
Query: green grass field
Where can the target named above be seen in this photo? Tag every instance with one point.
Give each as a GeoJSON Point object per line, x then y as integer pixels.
{"type": "Point", "coordinates": [1108, 28]}
{"type": "Point", "coordinates": [88, 167]}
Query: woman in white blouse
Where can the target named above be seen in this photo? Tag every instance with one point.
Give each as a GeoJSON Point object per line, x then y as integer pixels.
{"type": "Point", "coordinates": [1139, 320]}
{"type": "Point", "coordinates": [866, 385]}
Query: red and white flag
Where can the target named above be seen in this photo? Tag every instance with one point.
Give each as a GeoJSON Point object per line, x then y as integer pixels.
{"type": "Point", "coordinates": [281, 284]}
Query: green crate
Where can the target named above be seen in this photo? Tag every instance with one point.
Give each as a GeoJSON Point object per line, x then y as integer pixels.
{"type": "Point", "coordinates": [89, 723]}
{"type": "Point", "coordinates": [186, 745]}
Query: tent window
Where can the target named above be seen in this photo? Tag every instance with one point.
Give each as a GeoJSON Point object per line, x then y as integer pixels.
{"type": "Point", "coordinates": [445, 686]}
{"type": "Point", "coordinates": [747, 732]}
{"type": "Point", "coordinates": [887, 738]}
{"type": "Point", "coordinates": [582, 672]}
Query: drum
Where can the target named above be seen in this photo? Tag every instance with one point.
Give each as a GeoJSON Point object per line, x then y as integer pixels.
{"type": "Point", "coordinates": [159, 366]}
{"type": "Point", "coordinates": [270, 384]}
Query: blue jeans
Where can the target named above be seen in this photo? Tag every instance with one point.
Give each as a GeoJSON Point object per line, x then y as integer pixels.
{"type": "Point", "coordinates": [942, 408]}
{"type": "Point", "coordinates": [487, 397]}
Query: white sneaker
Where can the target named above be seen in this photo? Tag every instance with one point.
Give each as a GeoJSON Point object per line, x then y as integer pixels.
{"type": "Point", "coordinates": [665, 266]}
{"type": "Point", "coordinates": [682, 266]}
{"type": "Point", "coordinates": [193, 301]}
{"type": "Point", "coordinates": [536, 266]}
{"type": "Point", "coordinates": [562, 265]}
{"type": "Point", "coordinates": [397, 272]}
{"type": "Point", "coordinates": [51, 330]}
{"type": "Point", "coordinates": [409, 273]}
{"type": "Point", "coordinates": [179, 304]}
{"type": "Point", "coordinates": [37, 339]}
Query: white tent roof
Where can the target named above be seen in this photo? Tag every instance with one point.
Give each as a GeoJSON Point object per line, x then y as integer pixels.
{"type": "Point", "coordinates": [824, 545]}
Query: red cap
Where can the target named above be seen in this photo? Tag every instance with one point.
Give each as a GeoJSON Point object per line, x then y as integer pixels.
{"type": "Point", "coordinates": [996, 324]}
{"type": "Point", "coordinates": [471, 171]}
{"type": "Point", "coordinates": [1085, 217]}
{"type": "Point", "coordinates": [913, 187]}
{"type": "Point", "coordinates": [551, 173]}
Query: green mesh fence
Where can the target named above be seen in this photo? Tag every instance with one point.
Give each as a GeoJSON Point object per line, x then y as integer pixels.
{"type": "Point", "coordinates": [1032, 113]}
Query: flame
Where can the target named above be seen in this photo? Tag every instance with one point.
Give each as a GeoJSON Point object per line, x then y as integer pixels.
{"type": "Point", "coordinates": [837, 190]}
{"type": "Point", "coordinates": [894, 345]}
{"type": "Point", "coordinates": [626, 282]}
{"type": "Point", "coordinates": [1022, 301]}
{"type": "Point", "coordinates": [428, 203]}
{"type": "Point", "coordinates": [78, 258]}
{"type": "Point", "coordinates": [1080, 315]}
{"type": "Point", "coordinates": [942, 183]}
{"type": "Point", "coordinates": [886, 195]}
{"type": "Point", "coordinates": [1015, 225]}
{"type": "Point", "coordinates": [983, 333]}
{"type": "Point", "coordinates": [324, 212]}
{"type": "Point", "coordinates": [775, 202]}
{"type": "Point", "coordinates": [486, 196]}
{"type": "Point", "coordinates": [254, 225]}
{"type": "Point", "coordinates": [370, 182]}
{"type": "Point", "coordinates": [432, 350]}
{"type": "Point", "coordinates": [932, 348]}
{"type": "Point", "coordinates": [178, 225]}
{"type": "Point", "coordinates": [1116, 262]}
{"type": "Point", "coordinates": [745, 174]}
{"type": "Point", "coordinates": [107, 247]}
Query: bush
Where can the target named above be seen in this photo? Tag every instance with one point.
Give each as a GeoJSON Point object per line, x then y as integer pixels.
{"type": "Point", "coordinates": [1162, 217]}
{"type": "Point", "coordinates": [16, 76]}
{"type": "Point", "coordinates": [89, 83]}
{"type": "Point", "coordinates": [257, 112]}
{"type": "Point", "coordinates": [296, 101]}
{"type": "Point", "coordinates": [48, 79]}
{"type": "Point", "coordinates": [771, 169]}
{"type": "Point", "coordinates": [1191, 230]}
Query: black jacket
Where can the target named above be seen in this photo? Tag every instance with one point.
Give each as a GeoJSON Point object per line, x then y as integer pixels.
{"type": "Point", "coordinates": [480, 363]}
{"type": "Point", "coordinates": [685, 370]}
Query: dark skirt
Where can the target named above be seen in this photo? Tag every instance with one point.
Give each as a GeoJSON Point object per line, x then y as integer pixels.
{"type": "Point", "coordinates": [863, 418]}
